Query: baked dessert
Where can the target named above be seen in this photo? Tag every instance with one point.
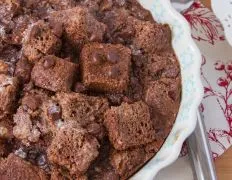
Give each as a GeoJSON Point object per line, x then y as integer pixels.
{"type": "Point", "coordinates": [89, 89]}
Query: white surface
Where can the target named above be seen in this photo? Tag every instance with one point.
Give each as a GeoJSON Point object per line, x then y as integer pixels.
{"type": "Point", "coordinates": [192, 91]}
{"type": "Point", "coordinates": [223, 10]}
{"type": "Point", "coordinates": [180, 170]}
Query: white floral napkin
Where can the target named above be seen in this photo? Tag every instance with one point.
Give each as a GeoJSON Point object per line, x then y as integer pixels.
{"type": "Point", "coordinates": [216, 76]}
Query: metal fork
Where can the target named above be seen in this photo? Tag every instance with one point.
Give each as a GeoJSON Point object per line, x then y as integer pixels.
{"type": "Point", "coordinates": [198, 145]}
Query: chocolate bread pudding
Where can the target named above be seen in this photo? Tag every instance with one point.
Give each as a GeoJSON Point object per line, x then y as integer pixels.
{"type": "Point", "coordinates": [89, 89]}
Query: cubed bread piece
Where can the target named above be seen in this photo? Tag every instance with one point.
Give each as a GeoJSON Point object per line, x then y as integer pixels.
{"type": "Point", "coordinates": [86, 110]}
{"type": "Point", "coordinates": [54, 74]}
{"type": "Point", "coordinates": [8, 94]}
{"type": "Point", "coordinates": [151, 37]}
{"type": "Point", "coordinates": [8, 9]}
{"type": "Point", "coordinates": [155, 67]}
{"type": "Point", "coordinates": [73, 148]}
{"type": "Point", "coordinates": [127, 162]}
{"type": "Point", "coordinates": [120, 27]}
{"type": "Point", "coordinates": [81, 108]}
{"type": "Point", "coordinates": [16, 168]}
{"type": "Point", "coordinates": [80, 26]}
{"type": "Point", "coordinates": [159, 96]}
{"type": "Point", "coordinates": [6, 128]}
{"type": "Point", "coordinates": [103, 171]}
{"type": "Point", "coordinates": [59, 174]}
{"type": "Point", "coordinates": [62, 4]}
{"type": "Point", "coordinates": [3, 149]}
{"type": "Point", "coordinates": [23, 70]}
{"type": "Point", "coordinates": [129, 125]}
{"type": "Point", "coordinates": [30, 121]}
{"type": "Point", "coordinates": [153, 147]}
{"type": "Point", "coordinates": [40, 40]}
{"type": "Point", "coordinates": [18, 28]}
{"type": "Point", "coordinates": [4, 67]}
{"type": "Point", "coordinates": [105, 67]}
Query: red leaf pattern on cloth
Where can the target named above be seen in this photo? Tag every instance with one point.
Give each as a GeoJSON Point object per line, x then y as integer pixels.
{"type": "Point", "coordinates": [223, 95]}
{"type": "Point", "coordinates": [204, 23]}
{"type": "Point", "coordinates": [216, 74]}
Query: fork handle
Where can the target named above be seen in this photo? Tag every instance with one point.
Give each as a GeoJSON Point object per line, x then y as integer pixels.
{"type": "Point", "coordinates": [199, 153]}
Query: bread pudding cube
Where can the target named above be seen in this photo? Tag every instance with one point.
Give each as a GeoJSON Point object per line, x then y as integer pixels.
{"type": "Point", "coordinates": [80, 26]}
{"type": "Point", "coordinates": [88, 111]}
{"type": "Point", "coordinates": [8, 9]}
{"type": "Point", "coordinates": [151, 37]}
{"type": "Point", "coordinates": [8, 93]}
{"type": "Point", "coordinates": [40, 40]}
{"type": "Point", "coordinates": [4, 67]}
{"type": "Point", "coordinates": [129, 125]}
{"type": "Point", "coordinates": [54, 74]}
{"type": "Point", "coordinates": [105, 67]}
{"type": "Point", "coordinates": [23, 70]}
{"type": "Point", "coordinates": [127, 162]}
{"type": "Point", "coordinates": [13, 167]}
{"type": "Point", "coordinates": [158, 96]}
{"type": "Point", "coordinates": [73, 148]}
{"type": "Point", "coordinates": [30, 120]}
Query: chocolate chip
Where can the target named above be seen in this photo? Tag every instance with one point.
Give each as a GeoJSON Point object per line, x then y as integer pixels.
{"type": "Point", "coordinates": [96, 58]}
{"type": "Point", "coordinates": [115, 99]}
{"type": "Point", "coordinates": [32, 155]}
{"type": "Point", "coordinates": [114, 72]}
{"type": "Point", "coordinates": [48, 63]}
{"type": "Point", "coordinates": [112, 57]}
{"type": "Point", "coordinates": [54, 112]}
{"type": "Point", "coordinates": [79, 87]}
{"type": "Point", "coordinates": [41, 160]}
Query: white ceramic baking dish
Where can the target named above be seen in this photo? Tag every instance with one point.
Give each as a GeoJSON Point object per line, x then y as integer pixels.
{"type": "Point", "coordinates": [192, 91]}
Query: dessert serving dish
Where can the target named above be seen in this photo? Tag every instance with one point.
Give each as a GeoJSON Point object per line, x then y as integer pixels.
{"type": "Point", "coordinates": [91, 89]}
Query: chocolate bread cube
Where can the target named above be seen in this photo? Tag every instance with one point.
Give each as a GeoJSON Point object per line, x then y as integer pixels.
{"type": "Point", "coordinates": [105, 67]}
{"type": "Point", "coordinates": [6, 128]}
{"type": "Point", "coordinates": [40, 40]}
{"type": "Point", "coordinates": [151, 37]}
{"type": "Point", "coordinates": [57, 174]}
{"type": "Point", "coordinates": [4, 67]}
{"type": "Point", "coordinates": [30, 120]}
{"type": "Point", "coordinates": [103, 171]}
{"type": "Point", "coordinates": [127, 162]}
{"type": "Point", "coordinates": [8, 94]}
{"type": "Point", "coordinates": [162, 66]}
{"type": "Point", "coordinates": [86, 110]}
{"type": "Point", "coordinates": [80, 26]}
{"type": "Point", "coordinates": [120, 26]}
{"type": "Point", "coordinates": [54, 74]}
{"type": "Point", "coordinates": [19, 27]}
{"type": "Point", "coordinates": [73, 148]}
{"type": "Point", "coordinates": [62, 4]}
{"type": "Point", "coordinates": [129, 125]}
{"type": "Point", "coordinates": [158, 96]}
{"type": "Point", "coordinates": [23, 70]}
{"type": "Point", "coordinates": [16, 168]}
{"type": "Point", "coordinates": [8, 9]}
